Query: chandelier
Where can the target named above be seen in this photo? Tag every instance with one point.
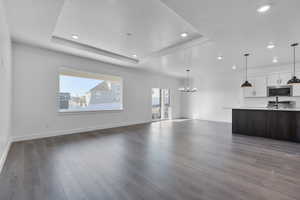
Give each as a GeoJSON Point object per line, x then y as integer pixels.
{"type": "Point", "coordinates": [187, 87]}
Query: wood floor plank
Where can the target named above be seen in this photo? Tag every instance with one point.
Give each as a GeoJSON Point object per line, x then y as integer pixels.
{"type": "Point", "coordinates": [180, 159]}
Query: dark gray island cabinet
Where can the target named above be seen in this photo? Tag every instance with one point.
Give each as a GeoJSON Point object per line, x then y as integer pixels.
{"type": "Point", "coordinates": [269, 123]}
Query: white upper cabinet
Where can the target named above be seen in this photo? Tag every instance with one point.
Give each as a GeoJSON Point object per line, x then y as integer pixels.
{"type": "Point", "coordinates": [273, 79]}
{"type": "Point", "coordinates": [261, 86]}
{"type": "Point", "coordinates": [296, 90]}
{"type": "Point", "coordinates": [284, 78]}
{"type": "Point", "coordinates": [276, 79]}
{"type": "Point", "coordinates": [296, 87]}
{"type": "Point", "coordinates": [249, 91]}
{"type": "Point", "coordinates": [258, 89]}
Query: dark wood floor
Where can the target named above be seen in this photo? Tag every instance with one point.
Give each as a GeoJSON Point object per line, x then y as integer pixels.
{"type": "Point", "coordinates": [169, 160]}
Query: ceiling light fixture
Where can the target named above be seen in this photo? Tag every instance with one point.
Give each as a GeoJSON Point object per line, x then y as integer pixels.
{"type": "Point", "coordinates": [275, 60]}
{"type": "Point", "coordinates": [234, 67]}
{"type": "Point", "coordinates": [75, 37]}
{"type": "Point", "coordinates": [220, 57]}
{"type": "Point", "coordinates": [188, 88]}
{"type": "Point", "coordinates": [246, 83]}
{"type": "Point", "coordinates": [294, 79]}
{"type": "Point", "coordinates": [271, 45]}
{"type": "Point", "coordinates": [263, 8]}
{"type": "Point", "coordinates": [183, 35]}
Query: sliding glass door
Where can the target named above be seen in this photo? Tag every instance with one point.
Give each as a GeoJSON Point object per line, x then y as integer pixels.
{"type": "Point", "coordinates": [165, 103]}
{"type": "Point", "coordinates": [160, 103]}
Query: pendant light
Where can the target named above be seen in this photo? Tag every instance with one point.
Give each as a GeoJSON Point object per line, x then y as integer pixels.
{"type": "Point", "coordinates": [246, 83]}
{"type": "Point", "coordinates": [188, 88]}
{"type": "Point", "coordinates": [294, 79]}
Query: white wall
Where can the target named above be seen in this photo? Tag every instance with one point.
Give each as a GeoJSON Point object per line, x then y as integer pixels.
{"type": "Point", "coordinates": [36, 85]}
{"type": "Point", "coordinates": [5, 84]}
{"type": "Point", "coordinates": [215, 92]}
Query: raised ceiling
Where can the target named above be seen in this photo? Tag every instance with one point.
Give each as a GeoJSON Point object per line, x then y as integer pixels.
{"type": "Point", "coordinates": [125, 27]}
{"type": "Point", "coordinates": [228, 28]}
{"type": "Point", "coordinates": [144, 28]}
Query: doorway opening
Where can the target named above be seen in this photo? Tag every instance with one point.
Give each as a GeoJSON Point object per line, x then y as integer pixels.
{"type": "Point", "coordinates": [160, 104]}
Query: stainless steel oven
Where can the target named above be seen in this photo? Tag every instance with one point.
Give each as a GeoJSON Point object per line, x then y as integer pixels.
{"type": "Point", "coordinates": [285, 90]}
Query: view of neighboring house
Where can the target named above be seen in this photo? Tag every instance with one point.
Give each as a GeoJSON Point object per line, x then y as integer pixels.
{"type": "Point", "coordinates": [106, 93]}
{"type": "Point", "coordinates": [78, 102]}
{"type": "Point", "coordinates": [64, 98]}
{"type": "Point", "coordinates": [103, 93]}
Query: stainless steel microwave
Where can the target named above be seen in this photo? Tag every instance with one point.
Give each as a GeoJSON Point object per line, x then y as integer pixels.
{"type": "Point", "coordinates": [285, 90]}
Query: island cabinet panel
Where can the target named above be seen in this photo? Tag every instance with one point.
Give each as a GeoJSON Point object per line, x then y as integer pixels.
{"type": "Point", "coordinates": [282, 125]}
{"type": "Point", "coordinates": [275, 124]}
{"type": "Point", "coordinates": [297, 135]}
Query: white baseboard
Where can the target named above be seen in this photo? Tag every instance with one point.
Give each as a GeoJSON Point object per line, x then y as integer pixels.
{"type": "Point", "coordinates": [73, 131]}
{"type": "Point", "coordinates": [4, 155]}
{"type": "Point", "coordinates": [210, 120]}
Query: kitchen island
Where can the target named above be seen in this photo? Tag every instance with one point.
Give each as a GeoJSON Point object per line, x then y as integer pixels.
{"type": "Point", "coordinates": [281, 124]}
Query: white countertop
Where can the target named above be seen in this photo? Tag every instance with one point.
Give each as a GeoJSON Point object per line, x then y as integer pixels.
{"type": "Point", "coordinates": [264, 108]}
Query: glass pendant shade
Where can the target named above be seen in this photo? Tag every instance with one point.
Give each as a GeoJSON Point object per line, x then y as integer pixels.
{"type": "Point", "coordinates": [294, 79]}
{"type": "Point", "coordinates": [246, 83]}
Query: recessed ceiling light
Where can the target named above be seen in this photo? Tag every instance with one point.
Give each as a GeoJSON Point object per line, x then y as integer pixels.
{"type": "Point", "coordinates": [183, 35]}
{"type": "Point", "coordinates": [275, 60]}
{"type": "Point", "coordinates": [264, 8]}
{"type": "Point", "coordinates": [135, 56]}
{"type": "Point", "coordinates": [234, 67]}
{"type": "Point", "coordinates": [271, 45]}
{"type": "Point", "coordinates": [220, 57]}
{"type": "Point", "coordinates": [75, 37]}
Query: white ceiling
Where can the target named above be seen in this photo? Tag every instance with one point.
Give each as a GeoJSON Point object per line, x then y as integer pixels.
{"type": "Point", "coordinates": [235, 27]}
{"type": "Point", "coordinates": [106, 23]}
{"type": "Point", "coordinates": [229, 27]}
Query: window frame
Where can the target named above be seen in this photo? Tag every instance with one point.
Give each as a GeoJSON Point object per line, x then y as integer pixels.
{"type": "Point", "coordinates": [91, 75]}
